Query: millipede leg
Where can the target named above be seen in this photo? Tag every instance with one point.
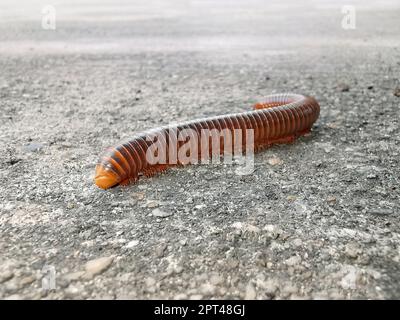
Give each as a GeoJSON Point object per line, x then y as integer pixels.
{"type": "Point", "coordinates": [304, 132]}
{"type": "Point", "coordinates": [128, 181]}
{"type": "Point", "coordinates": [149, 172]}
{"type": "Point", "coordinates": [288, 139]}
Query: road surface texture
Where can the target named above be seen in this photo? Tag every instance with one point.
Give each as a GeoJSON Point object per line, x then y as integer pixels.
{"type": "Point", "coordinates": [316, 219]}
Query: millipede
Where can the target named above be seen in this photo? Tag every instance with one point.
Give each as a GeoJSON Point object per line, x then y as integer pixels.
{"type": "Point", "coordinates": [281, 118]}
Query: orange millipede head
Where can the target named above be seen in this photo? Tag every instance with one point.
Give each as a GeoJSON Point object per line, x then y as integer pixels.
{"type": "Point", "coordinates": [104, 178]}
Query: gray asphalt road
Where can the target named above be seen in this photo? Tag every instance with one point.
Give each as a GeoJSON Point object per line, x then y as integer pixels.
{"type": "Point", "coordinates": [317, 219]}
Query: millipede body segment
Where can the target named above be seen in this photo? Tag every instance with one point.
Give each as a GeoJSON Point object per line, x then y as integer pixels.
{"type": "Point", "coordinates": [280, 119]}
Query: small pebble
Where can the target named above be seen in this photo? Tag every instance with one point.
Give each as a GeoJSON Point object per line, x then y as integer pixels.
{"type": "Point", "coordinates": [139, 195]}
{"type": "Point", "coordinates": [33, 147]}
{"type": "Point", "coordinates": [216, 279]}
{"type": "Point", "coordinates": [331, 199]}
{"type": "Point", "coordinates": [27, 280]}
{"type": "Point", "coordinates": [97, 266]}
{"type": "Point", "coordinates": [160, 250]}
{"type": "Point", "coordinates": [274, 161]}
{"type": "Point", "coordinates": [352, 250]}
{"type": "Point", "coordinates": [250, 293]}
{"type": "Point", "coordinates": [152, 204]}
{"type": "Point", "coordinates": [343, 87]}
{"type": "Point", "coordinates": [380, 212]}
{"type": "Point", "coordinates": [293, 261]}
{"type": "Point", "coordinates": [73, 276]}
{"type": "Point", "coordinates": [132, 244]}
{"type": "Point", "coordinates": [270, 288]}
{"type": "Point", "coordinates": [297, 242]}
{"type": "Point", "coordinates": [207, 289]}
{"type": "Point", "coordinates": [149, 282]}
{"type": "Point", "coordinates": [351, 279]}
{"type": "Point", "coordinates": [161, 214]}
{"type": "Point", "coordinates": [6, 275]}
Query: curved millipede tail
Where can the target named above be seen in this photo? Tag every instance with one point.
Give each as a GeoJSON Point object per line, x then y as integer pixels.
{"type": "Point", "coordinates": [280, 119]}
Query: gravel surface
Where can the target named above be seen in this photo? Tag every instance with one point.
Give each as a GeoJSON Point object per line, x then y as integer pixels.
{"type": "Point", "coordinates": [316, 219]}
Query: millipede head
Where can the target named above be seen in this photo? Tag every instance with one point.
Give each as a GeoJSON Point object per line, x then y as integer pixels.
{"type": "Point", "coordinates": [105, 178]}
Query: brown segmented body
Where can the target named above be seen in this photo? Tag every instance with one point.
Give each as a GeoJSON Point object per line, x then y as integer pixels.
{"type": "Point", "coordinates": [281, 118]}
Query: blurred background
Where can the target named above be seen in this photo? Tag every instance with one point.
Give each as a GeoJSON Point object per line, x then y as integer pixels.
{"type": "Point", "coordinates": [232, 25]}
